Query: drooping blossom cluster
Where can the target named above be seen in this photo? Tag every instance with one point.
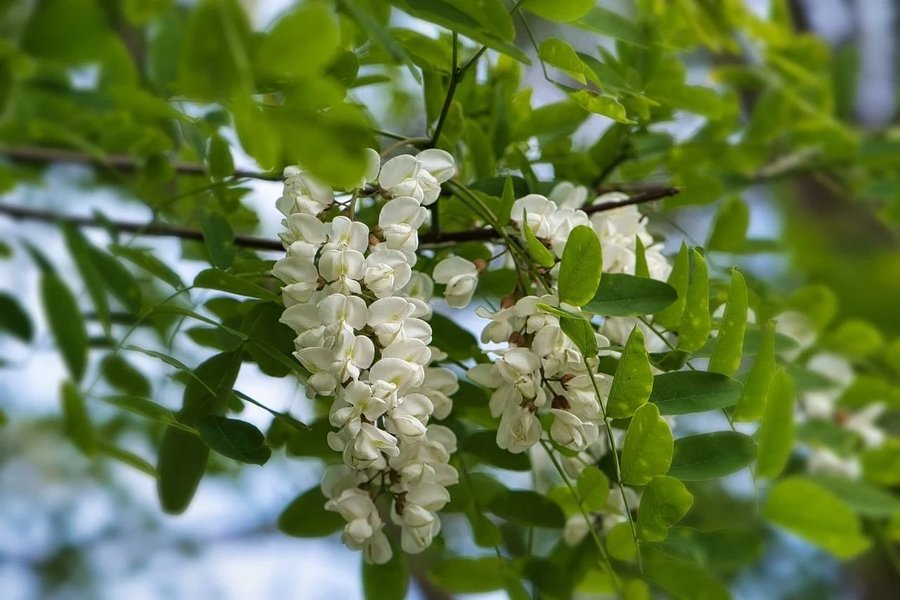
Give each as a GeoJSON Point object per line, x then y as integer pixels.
{"type": "Point", "coordinates": [360, 313]}
{"type": "Point", "coordinates": [537, 365]}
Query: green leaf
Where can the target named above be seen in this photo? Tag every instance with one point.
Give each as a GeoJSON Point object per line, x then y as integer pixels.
{"type": "Point", "coordinates": [866, 499]}
{"type": "Point", "coordinates": [507, 198]}
{"type": "Point", "coordinates": [125, 457]}
{"type": "Point", "coordinates": [816, 515]}
{"type": "Point", "coordinates": [711, 455]}
{"type": "Point", "coordinates": [143, 258]}
{"type": "Point", "coordinates": [611, 24]}
{"type": "Point", "coordinates": [561, 55]}
{"type": "Point", "coordinates": [601, 105]}
{"type": "Point", "coordinates": [581, 267]}
{"type": "Point", "coordinates": [483, 445]}
{"type": "Point", "coordinates": [80, 250]}
{"type": "Point", "coordinates": [119, 280]}
{"type": "Point", "coordinates": [582, 334]}
{"type": "Point", "coordinates": [76, 420]}
{"type": "Point", "coordinates": [141, 406]}
{"type": "Point", "coordinates": [633, 382]}
{"type": "Point", "coordinates": [728, 346]}
{"type": "Point", "coordinates": [218, 157]}
{"type": "Point", "coordinates": [729, 230]}
{"type": "Point", "coordinates": [593, 488]}
{"type": "Point", "coordinates": [539, 252]}
{"type": "Point", "coordinates": [621, 295]}
{"type": "Point", "coordinates": [554, 10]}
{"type": "Point", "coordinates": [665, 501]}
{"type": "Point", "coordinates": [208, 390]}
{"type": "Point", "coordinates": [647, 451]}
{"type": "Point", "coordinates": [214, 59]}
{"type": "Point", "coordinates": [214, 279]}
{"type": "Point", "coordinates": [235, 439]}
{"type": "Point", "coordinates": [301, 43]}
{"type": "Point", "coordinates": [219, 239]}
{"type": "Point", "coordinates": [687, 580]}
{"type": "Point", "coordinates": [753, 400]}
{"type": "Point", "coordinates": [180, 467]}
{"type": "Point", "coordinates": [13, 319]}
{"type": "Point", "coordinates": [484, 21]}
{"type": "Point", "coordinates": [620, 543]}
{"type": "Point", "coordinates": [678, 279]}
{"type": "Point", "coordinates": [527, 508]}
{"type": "Point", "coordinates": [389, 39]}
{"type": "Point", "coordinates": [642, 270]}
{"type": "Point", "coordinates": [683, 392]}
{"type": "Point", "coordinates": [464, 575]}
{"type": "Point", "coordinates": [695, 321]}
{"type": "Point", "coordinates": [776, 433]}
{"type": "Point", "coordinates": [306, 516]}
{"type": "Point", "coordinates": [66, 323]}
{"type": "Point", "coordinates": [389, 581]}
{"type": "Point", "coordinates": [121, 375]}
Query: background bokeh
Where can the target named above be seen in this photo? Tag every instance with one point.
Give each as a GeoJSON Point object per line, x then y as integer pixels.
{"type": "Point", "coordinates": [75, 528]}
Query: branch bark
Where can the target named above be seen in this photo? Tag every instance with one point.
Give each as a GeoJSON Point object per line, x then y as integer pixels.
{"type": "Point", "coordinates": [157, 229]}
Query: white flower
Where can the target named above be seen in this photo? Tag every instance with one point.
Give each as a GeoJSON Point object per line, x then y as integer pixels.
{"type": "Point", "coordinates": [357, 508]}
{"type": "Point", "coordinates": [568, 195]}
{"type": "Point", "coordinates": [502, 324]}
{"type": "Point", "coordinates": [417, 176]}
{"type": "Point", "coordinates": [377, 550]}
{"type": "Point", "coordinates": [538, 214]}
{"type": "Point", "coordinates": [337, 479]}
{"type": "Point", "coordinates": [342, 269]}
{"type": "Point", "coordinates": [407, 421]}
{"type": "Point", "coordinates": [394, 318]}
{"type": "Point", "coordinates": [303, 194]}
{"type": "Point", "coordinates": [521, 368]}
{"type": "Point", "coordinates": [460, 277]}
{"type": "Point", "coordinates": [344, 233]}
{"type": "Point", "coordinates": [439, 385]}
{"type": "Point", "coordinates": [305, 235]}
{"type": "Point", "coordinates": [576, 529]}
{"type": "Point", "coordinates": [386, 271]}
{"type": "Point", "coordinates": [300, 277]}
{"type": "Point", "coordinates": [368, 449]}
{"type": "Point", "coordinates": [519, 430]}
{"type": "Point", "coordinates": [420, 287]}
{"type": "Point", "coordinates": [826, 462]}
{"type": "Point", "coordinates": [399, 221]}
{"type": "Point", "coordinates": [571, 432]}
{"type": "Point", "coordinates": [863, 423]}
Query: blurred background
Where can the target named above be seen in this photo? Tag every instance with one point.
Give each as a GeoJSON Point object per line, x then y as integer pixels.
{"type": "Point", "coordinates": [71, 527]}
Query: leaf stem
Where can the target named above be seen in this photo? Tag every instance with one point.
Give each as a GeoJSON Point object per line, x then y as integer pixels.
{"type": "Point", "coordinates": [597, 541]}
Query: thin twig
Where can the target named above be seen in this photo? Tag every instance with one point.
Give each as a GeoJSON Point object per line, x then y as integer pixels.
{"type": "Point", "coordinates": [156, 229]}
{"type": "Point", "coordinates": [116, 162]}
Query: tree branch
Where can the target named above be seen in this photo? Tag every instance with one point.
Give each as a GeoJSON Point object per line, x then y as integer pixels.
{"type": "Point", "coordinates": [116, 162]}
{"type": "Point", "coordinates": [247, 241]}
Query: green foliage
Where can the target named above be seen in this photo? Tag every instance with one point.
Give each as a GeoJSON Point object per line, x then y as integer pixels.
{"type": "Point", "coordinates": [593, 488]}
{"type": "Point", "coordinates": [581, 266]}
{"type": "Point", "coordinates": [389, 581]}
{"type": "Point", "coordinates": [695, 320]}
{"type": "Point", "coordinates": [665, 501]}
{"type": "Point", "coordinates": [633, 381]}
{"type": "Point", "coordinates": [539, 252]}
{"type": "Point", "coordinates": [776, 433]}
{"type": "Point", "coordinates": [180, 467]}
{"type": "Point", "coordinates": [622, 295]}
{"type": "Point", "coordinates": [670, 317]}
{"type": "Point", "coordinates": [14, 320]}
{"type": "Point", "coordinates": [727, 349]}
{"type": "Point", "coordinates": [235, 439]}
{"type": "Point", "coordinates": [752, 403]}
{"type": "Point", "coordinates": [711, 455]}
{"type": "Point", "coordinates": [464, 575]}
{"type": "Point", "coordinates": [306, 516]}
{"type": "Point", "coordinates": [76, 420]}
{"type": "Point", "coordinates": [647, 452]}
{"type": "Point", "coordinates": [66, 323]}
{"type": "Point", "coordinates": [815, 514]}
{"type": "Point", "coordinates": [683, 392]}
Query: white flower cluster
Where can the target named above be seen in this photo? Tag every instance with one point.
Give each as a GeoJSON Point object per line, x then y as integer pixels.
{"type": "Point", "coordinates": [540, 368]}
{"type": "Point", "coordinates": [360, 314]}
{"type": "Point", "coordinates": [553, 218]}
{"type": "Point", "coordinates": [540, 365]}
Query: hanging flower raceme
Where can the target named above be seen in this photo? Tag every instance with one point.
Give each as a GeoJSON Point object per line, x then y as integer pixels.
{"type": "Point", "coordinates": [541, 370]}
{"type": "Point", "coordinates": [360, 315]}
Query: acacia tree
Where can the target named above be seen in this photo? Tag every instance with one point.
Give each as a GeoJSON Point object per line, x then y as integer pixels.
{"type": "Point", "coordinates": [422, 180]}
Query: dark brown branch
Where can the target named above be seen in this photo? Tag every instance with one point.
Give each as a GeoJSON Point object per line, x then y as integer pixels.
{"type": "Point", "coordinates": [116, 162]}
{"type": "Point", "coordinates": [258, 243]}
